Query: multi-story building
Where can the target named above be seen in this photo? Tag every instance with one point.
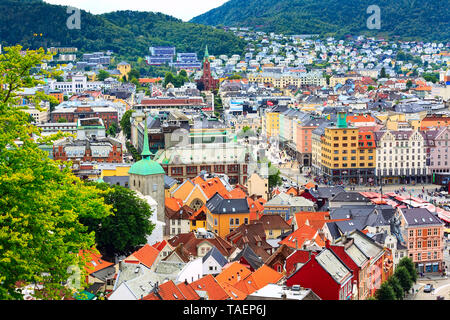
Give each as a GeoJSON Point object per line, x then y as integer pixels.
{"type": "Point", "coordinates": [188, 161]}
{"type": "Point", "coordinates": [77, 84]}
{"type": "Point", "coordinates": [91, 144]}
{"type": "Point", "coordinates": [83, 110]}
{"type": "Point", "coordinates": [401, 157]}
{"type": "Point", "coordinates": [286, 205]}
{"type": "Point", "coordinates": [437, 150]}
{"type": "Point", "coordinates": [348, 155]}
{"type": "Point", "coordinates": [424, 236]}
{"type": "Point", "coordinates": [223, 216]}
{"type": "Point", "coordinates": [282, 80]}
{"type": "Point", "coordinates": [304, 141]}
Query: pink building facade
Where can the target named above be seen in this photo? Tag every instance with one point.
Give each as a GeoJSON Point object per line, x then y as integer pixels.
{"type": "Point", "coordinates": [424, 236]}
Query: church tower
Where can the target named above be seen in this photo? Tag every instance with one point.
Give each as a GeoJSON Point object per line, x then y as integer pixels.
{"type": "Point", "coordinates": [147, 177]}
{"type": "Point", "coordinates": [207, 79]}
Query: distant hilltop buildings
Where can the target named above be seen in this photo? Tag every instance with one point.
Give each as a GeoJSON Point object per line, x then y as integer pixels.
{"type": "Point", "coordinates": [166, 55]}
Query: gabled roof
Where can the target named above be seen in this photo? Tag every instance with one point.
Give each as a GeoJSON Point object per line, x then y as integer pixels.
{"type": "Point", "coordinates": [220, 205]}
{"type": "Point", "coordinates": [181, 252]}
{"type": "Point", "coordinates": [333, 265]}
{"type": "Point", "coordinates": [233, 292]}
{"type": "Point", "coordinates": [183, 213]}
{"type": "Point", "coordinates": [303, 234]}
{"type": "Point", "coordinates": [233, 273]}
{"type": "Point", "coordinates": [420, 217]}
{"type": "Point", "coordinates": [212, 288]}
{"type": "Point", "coordinates": [364, 243]}
{"type": "Point", "coordinates": [298, 257]}
{"type": "Point", "coordinates": [281, 253]}
{"type": "Point", "coordinates": [274, 222]}
{"type": "Point", "coordinates": [349, 197]}
{"type": "Point", "coordinates": [187, 291]}
{"type": "Point", "coordinates": [169, 291]}
{"type": "Point", "coordinates": [326, 192]}
{"type": "Point", "coordinates": [259, 279]}
{"type": "Point", "coordinates": [160, 245]}
{"type": "Point", "coordinates": [250, 256]}
{"type": "Point", "coordinates": [173, 203]}
{"type": "Point", "coordinates": [216, 255]}
{"type": "Point", "coordinates": [191, 242]}
{"type": "Point", "coordinates": [308, 217]}
{"type": "Point", "coordinates": [94, 261]}
{"type": "Point", "coordinates": [146, 255]}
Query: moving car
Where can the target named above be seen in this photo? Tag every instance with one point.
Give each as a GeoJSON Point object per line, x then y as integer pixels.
{"type": "Point", "coordinates": [428, 288]}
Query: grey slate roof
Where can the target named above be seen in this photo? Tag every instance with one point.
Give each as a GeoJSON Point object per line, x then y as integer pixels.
{"type": "Point", "coordinates": [349, 197]}
{"type": "Point", "coordinates": [325, 192]}
{"type": "Point", "coordinates": [420, 217]}
{"type": "Point", "coordinates": [215, 253]}
{"type": "Point", "coordinates": [250, 256]}
{"type": "Point", "coordinates": [219, 205]}
{"type": "Point", "coordinates": [169, 182]}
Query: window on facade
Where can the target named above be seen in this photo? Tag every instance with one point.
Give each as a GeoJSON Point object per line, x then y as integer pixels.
{"type": "Point", "coordinates": [231, 221]}
{"type": "Point", "coordinates": [419, 233]}
{"type": "Point", "coordinates": [191, 170]}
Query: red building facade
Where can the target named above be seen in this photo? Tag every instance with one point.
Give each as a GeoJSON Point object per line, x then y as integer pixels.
{"type": "Point", "coordinates": [207, 82]}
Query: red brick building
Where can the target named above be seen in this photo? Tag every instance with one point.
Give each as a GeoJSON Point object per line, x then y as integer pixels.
{"type": "Point", "coordinates": [109, 115]}
{"type": "Point", "coordinates": [101, 150]}
{"type": "Point", "coordinates": [207, 82]}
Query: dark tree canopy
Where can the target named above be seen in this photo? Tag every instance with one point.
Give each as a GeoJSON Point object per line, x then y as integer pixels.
{"type": "Point", "coordinates": [129, 225]}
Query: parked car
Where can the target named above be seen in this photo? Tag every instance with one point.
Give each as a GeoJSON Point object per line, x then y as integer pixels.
{"type": "Point", "coordinates": [440, 298]}
{"type": "Point", "coordinates": [428, 288]}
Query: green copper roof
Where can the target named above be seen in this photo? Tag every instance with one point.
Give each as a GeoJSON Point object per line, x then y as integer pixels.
{"type": "Point", "coordinates": [145, 150]}
{"type": "Point", "coordinates": [146, 166]}
{"type": "Point", "coordinates": [206, 53]}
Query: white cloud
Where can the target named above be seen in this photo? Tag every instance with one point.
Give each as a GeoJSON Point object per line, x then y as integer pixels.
{"type": "Point", "coordinates": [181, 9]}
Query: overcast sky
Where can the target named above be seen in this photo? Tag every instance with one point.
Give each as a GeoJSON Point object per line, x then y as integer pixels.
{"type": "Point", "coordinates": [181, 9]}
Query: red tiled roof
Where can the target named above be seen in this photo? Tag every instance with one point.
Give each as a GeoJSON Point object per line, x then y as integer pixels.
{"type": "Point", "coordinates": [211, 286]}
{"type": "Point", "coordinates": [173, 203]}
{"type": "Point", "coordinates": [302, 234]}
{"type": "Point", "coordinates": [299, 256]}
{"type": "Point", "coordinates": [187, 291]}
{"type": "Point", "coordinates": [233, 273]}
{"type": "Point", "coordinates": [146, 255]}
{"type": "Point", "coordinates": [233, 292]}
{"type": "Point", "coordinates": [94, 261]}
{"type": "Point", "coordinates": [259, 279]}
{"type": "Point", "coordinates": [169, 291]}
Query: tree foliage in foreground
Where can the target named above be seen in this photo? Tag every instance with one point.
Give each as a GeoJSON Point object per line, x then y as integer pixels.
{"type": "Point", "coordinates": [129, 225]}
{"type": "Point", "coordinates": [385, 292]}
{"type": "Point", "coordinates": [41, 201]}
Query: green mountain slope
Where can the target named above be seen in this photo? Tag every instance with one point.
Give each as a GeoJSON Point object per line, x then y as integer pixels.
{"type": "Point", "coordinates": [407, 19]}
{"type": "Point", "coordinates": [127, 33]}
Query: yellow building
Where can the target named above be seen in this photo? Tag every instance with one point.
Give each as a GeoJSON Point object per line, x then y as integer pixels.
{"type": "Point", "coordinates": [348, 155]}
{"type": "Point", "coordinates": [124, 68]}
{"type": "Point", "coordinates": [225, 215]}
{"type": "Point", "coordinates": [198, 220]}
{"type": "Point", "coordinates": [272, 121]}
{"type": "Point", "coordinates": [334, 80]}
{"type": "Point", "coordinates": [116, 171]}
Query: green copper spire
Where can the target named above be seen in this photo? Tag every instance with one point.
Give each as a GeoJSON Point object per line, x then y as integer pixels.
{"type": "Point", "coordinates": [206, 53]}
{"type": "Point", "coordinates": [145, 149]}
